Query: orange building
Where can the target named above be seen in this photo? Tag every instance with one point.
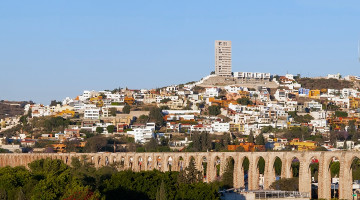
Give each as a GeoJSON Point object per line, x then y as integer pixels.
{"type": "Point", "coordinates": [248, 147]}
{"type": "Point", "coordinates": [129, 100]}
{"type": "Point", "coordinates": [222, 103]}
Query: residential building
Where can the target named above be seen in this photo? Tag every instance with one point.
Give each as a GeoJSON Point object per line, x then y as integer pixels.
{"type": "Point", "coordinates": [223, 58]}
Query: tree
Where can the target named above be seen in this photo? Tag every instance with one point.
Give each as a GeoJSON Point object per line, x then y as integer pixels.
{"type": "Point", "coordinates": [161, 193]}
{"type": "Point", "coordinates": [156, 116]}
{"type": "Point", "coordinates": [286, 184]}
{"type": "Point", "coordinates": [95, 144]}
{"type": "Point", "coordinates": [126, 109]}
{"type": "Point", "coordinates": [190, 174]}
{"type": "Point", "coordinates": [341, 114]}
{"type": "Point", "coordinates": [244, 101]}
{"type": "Point", "coordinates": [99, 130]}
{"type": "Point", "coordinates": [165, 100]}
{"type": "Point", "coordinates": [335, 168]}
{"type": "Point", "coordinates": [228, 175]}
{"type": "Point", "coordinates": [72, 145]}
{"type": "Point", "coordinates": [110, 128]}
{"type": "Point", "coordinates": [214, 110]}
{"type": "Point", "coordinates": [240, 149]}
{"type": "Point", "coordinates": [320, 149]}
{"type": "Point", "coordinates": [143, 118]}
{"type": "Point", "coordinates": [54, 102]}
{"type": "Point", "coordinates": [251, 137]}
{"type": "Point", "coordinates": [112, 111]}
{"type": "Point", "coordinates": [260, 140]}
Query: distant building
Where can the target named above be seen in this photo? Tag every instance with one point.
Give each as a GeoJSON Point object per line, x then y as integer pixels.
{"type": "Point", "coordinates": [223, 58]}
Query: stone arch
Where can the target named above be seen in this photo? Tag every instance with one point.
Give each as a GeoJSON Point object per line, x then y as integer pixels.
{"type": "Point", "coordinates": [169, 163]}
{"type": "Point", "coordinates": [66, 160]}
{"type": "Point", "coordinates": [204, 167]}
{"type": "Point", "coordinates": [331, 189]}
{"type": "Point", "coordinates": [107, 162]}
{"type": "Point", "coordinates": [181, 163]}
{"type": "Point", "coordinates": [313, 170]}
{"type": "Point", "coordinates": [277, 166]}
{"type": "Point", "coordinates": [260, 172]}
{"type": "Point", "coordinates": [228, 171]}
{"type": "Point", "coordinates": [149, 163]}
{"type": "Point", "coordinates": [244, 172]}
{"type": "Point", "coordinates": [98, 161]}
{"type": "Point", "coordinates": [294, 167]}
{"type": "Point", "coordinates": [191, 159]}
{"type": "Point", "coordinates": [217, 167]}
{"type": "Point", "coordinates": [158, 162]}
{"type": "Point", "coordinates": [140, 163]}
{"type": "Point", "coordinates": [131, 162]}
{"type": "Point", "coordinates": [122, 162]}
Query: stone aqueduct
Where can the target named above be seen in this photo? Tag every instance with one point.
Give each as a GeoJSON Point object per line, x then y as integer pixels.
{"type": "Point", "coordinates": [177, 161]}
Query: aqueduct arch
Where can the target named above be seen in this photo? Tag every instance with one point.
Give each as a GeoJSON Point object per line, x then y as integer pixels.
{"type": "Point", "coordinates": [179, 160]}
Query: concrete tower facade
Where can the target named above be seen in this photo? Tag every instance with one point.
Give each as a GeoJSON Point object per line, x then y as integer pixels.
{"type": "Point", "coordinates": [223, 58]}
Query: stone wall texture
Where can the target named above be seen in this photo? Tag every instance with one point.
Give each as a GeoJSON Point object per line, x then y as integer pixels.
{"type": "Point", "coordinates": [178, 161]}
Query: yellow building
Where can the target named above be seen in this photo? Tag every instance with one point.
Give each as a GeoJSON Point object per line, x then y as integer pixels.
{"type": "Point", "coordinates": [315, 94]}
{"type": "Point", "coordinates": [304, 145]}
{"type": "Point", "coordinates": [65, 113]}
{"type": "Point", "coordinates": [354, 102]}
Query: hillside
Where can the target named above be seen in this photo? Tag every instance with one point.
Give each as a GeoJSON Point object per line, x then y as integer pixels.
{"type": "Point", "coordinates": [11, 108]}
{"type": "Point", "coordinates": [323, 83]}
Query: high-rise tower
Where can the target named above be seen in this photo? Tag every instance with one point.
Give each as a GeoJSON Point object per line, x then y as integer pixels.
{"type": "Point", "coordinates": [223, 58]}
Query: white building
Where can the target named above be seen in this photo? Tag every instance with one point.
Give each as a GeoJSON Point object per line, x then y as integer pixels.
{"type": "Point", "coordinates": [92, 113]}
{"type": "Point", "coordinates": [220, 127]}
{"type": "Point", "coordinates": [141, 135]}
{"type": "Point", "coordinates": [223, 58]}
{"type": "Point", "coordinates": [212, 92]}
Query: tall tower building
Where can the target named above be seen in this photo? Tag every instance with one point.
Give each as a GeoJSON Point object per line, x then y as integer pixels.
{"type": "Point", "coordinates": [223, 58]}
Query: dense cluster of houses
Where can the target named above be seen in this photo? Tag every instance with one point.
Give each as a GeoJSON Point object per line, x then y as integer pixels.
{"type": "Point", "coordinates": [187, 108]}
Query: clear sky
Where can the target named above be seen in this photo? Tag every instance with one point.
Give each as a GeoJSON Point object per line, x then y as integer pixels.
{"type": "Point", "coordinates": [54, 49]}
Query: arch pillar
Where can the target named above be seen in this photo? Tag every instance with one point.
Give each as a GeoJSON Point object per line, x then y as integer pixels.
{"type": "Point", "coordinates": [304, 176]}
{"type": "Point", "coordinates": [269, 173]}
{"type": "Point", "coordinates": [345, 179]}
{"type": "Point", "coordinates": [324, 177]}
{"type": "Point", "coordinates": [253, 173]}
{"type": "Point", "coordinates": [238, 173]}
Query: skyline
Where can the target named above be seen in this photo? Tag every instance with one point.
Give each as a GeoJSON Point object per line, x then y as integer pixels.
{"type": "Point", "coordinates": [54, 50]}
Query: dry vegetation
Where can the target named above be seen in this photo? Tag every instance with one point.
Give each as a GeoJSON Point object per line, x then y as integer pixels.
{"type": "Point", "coordinates": [322, 83]}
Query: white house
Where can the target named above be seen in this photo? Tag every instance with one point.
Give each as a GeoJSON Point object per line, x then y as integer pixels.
{"type": "Point", "coordinates": [220, 127]}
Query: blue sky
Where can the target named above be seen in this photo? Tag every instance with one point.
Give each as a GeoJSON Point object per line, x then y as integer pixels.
{"type": "Point", "coordinates": [53, 49]}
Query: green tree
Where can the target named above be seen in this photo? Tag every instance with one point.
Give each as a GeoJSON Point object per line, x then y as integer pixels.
{"type": "Point", "coordinates": [260, 140]}
{"type": "Point", "coordinates": [113, 111]}
{"type": "Point", "coordinates": [244, 101]}
{"type": "Point", "coordinates": [143, 119]}
{"type": "Point", "coordinates": [214, 110]}
{"type": "Point", "coordinates": [95, 144]}
{"type": "Point", "coordinates": [341, 114]}
{"type": "Point", "coordinates": [126, 109]}
{"type": "Point", "coordinates": [190, 174]}
{"type": "Point", "coordinates": [335, 168]}
{"type": "Point", "coordinates": [228, 175]}
{"type": "Point", "coordinates": [156, 116]}
{"type": "Point", "coordinates": [251, 137]}
{"type": "Point", "coordinates": [286, 184]}
{"type": "Point", "coordinates": [161, 193]}
{"type": "Point", "coordinates": [110, 128]}
{"type": "Point", "coordinates": [99, 130]}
